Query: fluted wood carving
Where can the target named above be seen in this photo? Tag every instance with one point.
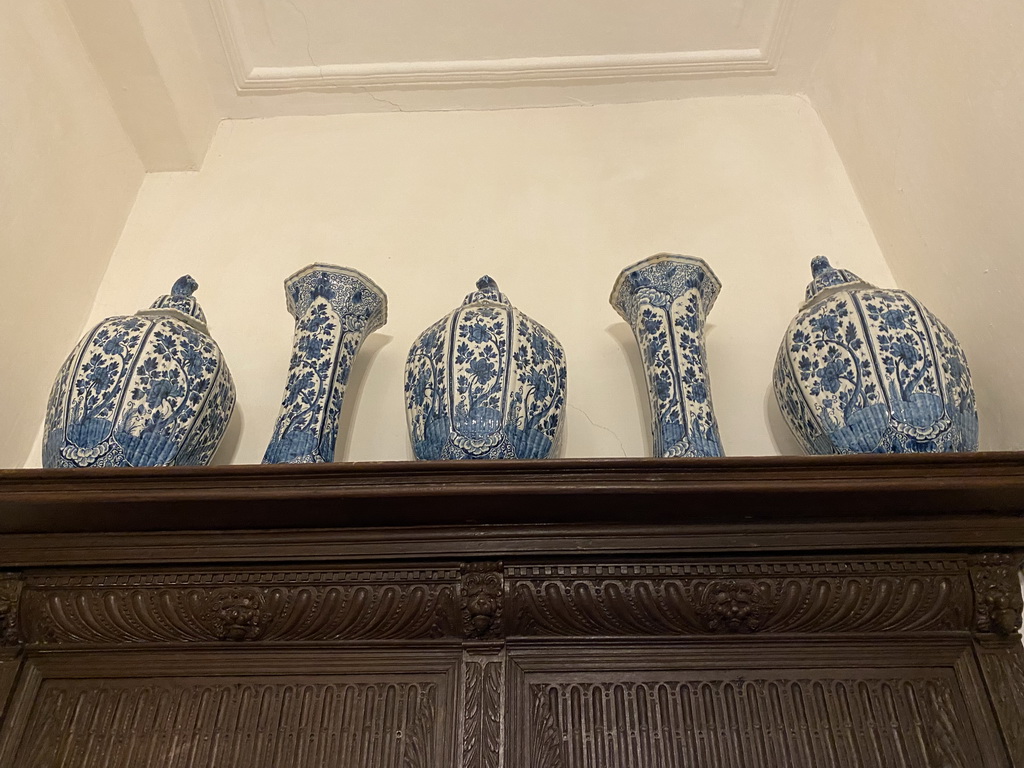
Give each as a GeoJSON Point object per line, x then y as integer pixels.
{"type": "Point", "coordinates": [735, 598]}
{"type": "Point", "coordinates": [769, 723]}
{"type": "Point", "coordinates": [820, 720]}
{"type": "Point", "coordinates": [160, 608]}
{"type": "Point", "coordinates": [216, 724]}
{"type": "Point", "coordinates": [1004, 673]}
{"type": "Point", "coordinates": [828, 612]}
{"type": "Point", "coordinates": [484, 601]}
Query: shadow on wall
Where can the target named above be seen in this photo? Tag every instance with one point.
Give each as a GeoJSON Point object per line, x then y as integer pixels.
{"type": "Point", "coordinates": [363, 361]}
{"type": "Point", "coordinates": [623, 336]}
{"type": "Point", "coordinates": [781, 435]}
{"type": "Point", "coordinates": [361, 364]}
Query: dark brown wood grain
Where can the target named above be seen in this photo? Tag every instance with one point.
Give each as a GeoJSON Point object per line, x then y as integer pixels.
{"type": "Point", "coordinates": [834, 612]}
{"type": "Point", "coordinates": [518, 492]}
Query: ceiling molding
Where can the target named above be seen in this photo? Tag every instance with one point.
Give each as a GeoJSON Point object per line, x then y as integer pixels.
{"type": "Point", "coordinates": [778, 32]}
{"type": "Point", "coordinates": [250, 79]}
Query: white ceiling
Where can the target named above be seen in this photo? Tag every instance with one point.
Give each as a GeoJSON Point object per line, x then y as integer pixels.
{"type": "Point", "coordinates": [298, 44]}
{"type": "Point", "coordinates": [175, 68]}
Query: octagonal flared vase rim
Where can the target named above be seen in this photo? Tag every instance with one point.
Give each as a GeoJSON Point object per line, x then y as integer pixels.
{"type": "Point", "coordinates": [693, 261]}
{"type": "Point", "coordinates": [336, 269]}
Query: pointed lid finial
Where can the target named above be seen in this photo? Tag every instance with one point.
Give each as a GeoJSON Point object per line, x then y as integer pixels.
{"type": "Point", "coordinates": [826, 276]}
{"type": "Point", "coordinates": [486, 290]}
{"type": "Point", "coordinates": [181, 299]}
{"type": "Point", "coordinates": [184, 286]}
{"type": "Point", "coordinates": [820, 265]}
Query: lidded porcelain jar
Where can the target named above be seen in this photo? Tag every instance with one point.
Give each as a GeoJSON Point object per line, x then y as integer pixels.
{"type": "Point", "coordinates": [864, 369]}
{"type": "Point", "coordinates": [485, 382]}
{"type": "Point", "coordinates": [149, 389]}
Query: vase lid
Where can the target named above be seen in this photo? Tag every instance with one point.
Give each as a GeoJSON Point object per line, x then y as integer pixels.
{"type": "Point", "coordinates": [486, 290]}
{"type": "Point", "coordinates": [181, 300]}
{"type": "Point", "coordinates": [825, 276]}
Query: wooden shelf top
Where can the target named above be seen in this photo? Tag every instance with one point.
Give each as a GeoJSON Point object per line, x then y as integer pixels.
{"type": "Point", "coordinates": [498, 508]}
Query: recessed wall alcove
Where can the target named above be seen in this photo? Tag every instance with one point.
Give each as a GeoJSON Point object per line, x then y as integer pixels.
{"type": "Point", "coordinates": [598, 610]}
{"type": "Point", "coordinates": [545, 146]}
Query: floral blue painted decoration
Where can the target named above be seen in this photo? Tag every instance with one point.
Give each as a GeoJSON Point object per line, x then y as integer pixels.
{"type": "Point", "coordinates": [151, 389]}
{"type": "Point", "coordinates": [870, 370]}
{"type": "Point", "coordinates": [665, 299]}
{"type": "Point", "coordinates": [485, 382]}
{"type": "Point", "coordinates": [335, 308]}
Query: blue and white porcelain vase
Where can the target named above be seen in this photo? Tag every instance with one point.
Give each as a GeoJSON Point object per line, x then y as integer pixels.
{"type": "Point", "coordinates": [666, 299]}
{"type": "Point", "coordinates": [150, 389]}
{"type": "Point", "coordinates": [485, 382]}
{"type": "Point", "coordinates": [870, 370]}
{"type": "Point", "coordinates": [335, 309]}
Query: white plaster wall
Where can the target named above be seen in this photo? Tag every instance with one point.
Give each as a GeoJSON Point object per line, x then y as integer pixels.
{"type": "Point", "coordinates": [149, 60]}
{"type": "Point", "coordinates": [552, 203]}
{"type": "Point", "coordinates": [68, 176]}
{"type": "Point", "coordinates": [925, 102]}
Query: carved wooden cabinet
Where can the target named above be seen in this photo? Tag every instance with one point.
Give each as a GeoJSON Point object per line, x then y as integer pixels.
{"type": "Point", "coordinates": [739, 612]}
